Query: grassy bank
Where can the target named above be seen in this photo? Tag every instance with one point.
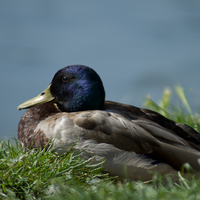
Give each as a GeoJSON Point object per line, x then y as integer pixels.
{"type": "Point", "coordinates": [43, 174]}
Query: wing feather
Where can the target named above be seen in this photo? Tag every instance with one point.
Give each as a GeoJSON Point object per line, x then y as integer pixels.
{"type": "Point", "coordinates": [125, 131]}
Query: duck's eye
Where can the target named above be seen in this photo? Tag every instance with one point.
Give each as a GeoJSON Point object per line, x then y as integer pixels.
{"type": "Point", "coordinates": [65, 78]}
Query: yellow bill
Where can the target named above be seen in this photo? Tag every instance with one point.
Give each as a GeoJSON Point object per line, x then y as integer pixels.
{"type": "Point", "coordinates": [43, 97]}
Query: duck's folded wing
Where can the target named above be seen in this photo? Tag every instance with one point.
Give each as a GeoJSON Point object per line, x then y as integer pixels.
{"type": "Point", "coordinates": [141, 136]}
{"type": "Point", "coordinates": [113, 128]}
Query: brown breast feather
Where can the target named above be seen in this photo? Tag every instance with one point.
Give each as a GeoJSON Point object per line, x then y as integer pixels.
{"type": "Point", "coordinates": [29, 122]}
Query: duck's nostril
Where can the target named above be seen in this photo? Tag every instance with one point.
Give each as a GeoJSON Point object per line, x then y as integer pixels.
{"type": "Point", "coordinates": [42, 93]}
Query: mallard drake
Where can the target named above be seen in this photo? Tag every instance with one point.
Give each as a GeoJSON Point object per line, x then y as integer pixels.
{"type": "Point", "coordinates": [134, 141]}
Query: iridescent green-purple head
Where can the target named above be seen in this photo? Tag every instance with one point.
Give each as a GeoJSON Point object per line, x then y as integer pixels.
{"type": "Point", "coordinates": [73, 88]}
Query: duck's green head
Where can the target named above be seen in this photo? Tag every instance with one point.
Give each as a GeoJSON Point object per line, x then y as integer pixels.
{"type": "Point", "coordinates": [73, 88]}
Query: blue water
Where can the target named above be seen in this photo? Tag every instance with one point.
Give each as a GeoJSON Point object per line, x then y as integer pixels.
{"type": "Point", "coordinates": [137, 47]}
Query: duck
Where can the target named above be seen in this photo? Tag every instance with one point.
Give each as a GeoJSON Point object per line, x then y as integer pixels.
{"type": "Point", "coordinates": [135, 143]}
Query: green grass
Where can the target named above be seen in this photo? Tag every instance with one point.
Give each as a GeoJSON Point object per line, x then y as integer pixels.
{"type": "Point", "coordinates": [181, 113]}
{"type": "Point", "coordinates": [43, 174]}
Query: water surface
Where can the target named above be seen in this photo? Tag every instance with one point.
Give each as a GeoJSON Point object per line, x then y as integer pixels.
{"type": "Point", "coordinates": [137, 47]}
